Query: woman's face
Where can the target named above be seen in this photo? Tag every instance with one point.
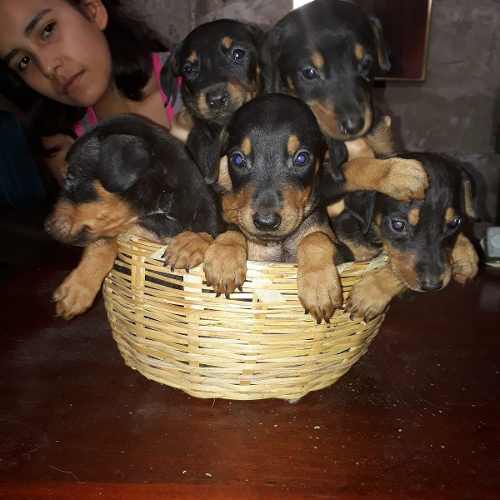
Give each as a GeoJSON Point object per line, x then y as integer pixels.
{"type": "Point", "coordinates": [58, 51]}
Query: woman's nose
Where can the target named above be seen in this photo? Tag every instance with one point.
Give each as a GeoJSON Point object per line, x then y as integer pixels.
{"type": "Point", "coordinates": [50, 66]}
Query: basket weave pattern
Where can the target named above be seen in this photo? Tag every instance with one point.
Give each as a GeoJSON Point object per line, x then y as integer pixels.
{"type": "Point", "coordinates": [258, 344]}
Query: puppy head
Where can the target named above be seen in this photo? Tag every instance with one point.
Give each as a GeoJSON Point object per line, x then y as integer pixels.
{"type": "Point", "coordinates": [273, 151]}
{"type": "Point", "coordinates": [327, 54]}
{"type": "Point", "coordinates": [218, 62]}
{"type": "Point", "coordinates": [101, 172]}
{"type": "Point", "coordinates": [419, 236]}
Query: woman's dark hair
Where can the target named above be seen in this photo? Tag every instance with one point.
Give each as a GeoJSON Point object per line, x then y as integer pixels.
{"type": "Point", "coordinates": [131, 43]}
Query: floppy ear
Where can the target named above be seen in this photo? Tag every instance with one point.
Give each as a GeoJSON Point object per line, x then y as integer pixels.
{"type": "Point", "coordinates": [269, 54]}
{"type": "Point", "coordinates": [361, 205]}
{"type": "Point", "coordinates": [122, 160]}
{"type": "Point", "coordinates": [338, 155]}
{"type": "Point", "coordinates": [169, 73]}
{"type": "Point", "coordinates": [206, 144]}
{"type": "Point", "coordinates": [384, 62]}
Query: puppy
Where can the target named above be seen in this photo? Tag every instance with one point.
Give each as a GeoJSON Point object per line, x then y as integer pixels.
{"type": "Point", "coordinates": [327, 53]}
{"type": "Point", "coordinates": [423, 239]}
{"type": "Point", "coordinates": [126, 174]}
{"type": "Point", "coordinates": [218, 62]}
{"type": "Point", "coordinates": [270, 181]}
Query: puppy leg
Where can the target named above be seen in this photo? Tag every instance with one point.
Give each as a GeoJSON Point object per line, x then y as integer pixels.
{"type": "Point", "coordinates": [373, 293]}
{"type": "Point", "coordinates": [380, 138]}
{"type": "Point", "coordinates": [226, 262]}
{"type": "Point", "coordinates": [318, 282]}
{"type": "Point", "coordinates": [78, 291]}
{"type": "Point", "coordinates": [182, 125]}
{"type": "Point", "coordinates": [187, 250]}
{"type": "Point", "coordinates": [398, 178]}
{"type": "Point", "coordinates": [464, 260]}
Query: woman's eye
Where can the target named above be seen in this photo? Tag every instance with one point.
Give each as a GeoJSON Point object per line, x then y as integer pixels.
{"type": "Point", "coordinates": [238, 55]}
{"type": "Point", "coordinates": [302, 159]}
{"type": "Point", "coordinates": [455, 222]}
{"type": "Point", "coordinates": [310, 73]}
{"type": "Point", "coordinates": [48, 30]}
{"type": "Point", "coordinates": [23, 63]}
{"type": "Point", "coordinates": [398, 225]}
{"type": "Point", "coordinates": [237, 160]}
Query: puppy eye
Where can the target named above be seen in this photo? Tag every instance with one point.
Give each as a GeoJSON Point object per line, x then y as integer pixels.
{"type": "Point", "coordinates": [365, 66]}
{"type": "Point", "coordinates": [238, 160]}
{"type": "Point", "coordinates": [302, 159]}
{"type": "Point", "coordinates": [238, 55]}
{"type": "Point", "coordinates": [187, 69]}
{"type": "Point", "coordinates": [455, 223]}
{"type": "Point", "coordinates": [398, 225]}
{"type": "Point", "coordinates": [310, 73]}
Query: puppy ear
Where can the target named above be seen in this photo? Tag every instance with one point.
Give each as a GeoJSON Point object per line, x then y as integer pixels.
{"type": "Point", "coordinates": [270, 51]}
{"type": "Point", "coordinates": [337, 156]}
{"type": "Point", "coordinates": [383, 57]}
{"type": "Point", "coordinates": [122, 160]}
{"type": "Point", "coordinates": [206, 143]}
{"type": "Point", "coordinates": [169, 73]}
{"type": "Point", "coordinates": [361, 205]}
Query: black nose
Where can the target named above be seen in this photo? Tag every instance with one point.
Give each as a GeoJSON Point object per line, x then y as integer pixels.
{"type": "Point", "coordinates": [351, 125]}
{"type": "Point", "coordinates": [267, 221]}
{"type": "Point", "coordinates": [430, 284]}
{"type": "Point", "coordinates": [217, 98]}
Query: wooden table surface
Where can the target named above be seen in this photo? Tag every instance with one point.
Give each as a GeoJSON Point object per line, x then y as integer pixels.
{"type": "Point", "coordinates": [416, 417]}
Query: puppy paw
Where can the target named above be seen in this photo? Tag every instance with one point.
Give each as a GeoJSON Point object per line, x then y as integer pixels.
{"type": "Point", "coordinates": [464, 260]}
{"type": "Point", "coordinates": [225, 267]}
{"type": "Point", "coordinates": [367, 300]}
{"type": "Point", "coordinates": [73, 297]}
{"type": "Point", "coordinates": [405, 180]}
{"type": "Point", "coordinates": [187, 250]}
{"type": "Point", "coordinates": [319, 291]}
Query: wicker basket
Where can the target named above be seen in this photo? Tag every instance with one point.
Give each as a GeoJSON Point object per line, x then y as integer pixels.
{"type": "Point", "coordinates": [257, 344]}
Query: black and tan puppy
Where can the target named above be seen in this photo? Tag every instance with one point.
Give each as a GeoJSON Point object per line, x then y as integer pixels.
{"type": "Point", "coordinates": [218, 63]}
{"type": "Point", "coordinates": [270, 178]}
{"type": "Point", "coordinates": [327, 54]}
{"type": "Point", "coordinates": [423, 238]}
{"type": "Point", "coordinates": [126, 174]}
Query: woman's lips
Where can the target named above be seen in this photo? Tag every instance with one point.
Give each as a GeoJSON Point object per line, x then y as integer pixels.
{"type": "Point", "coordinates": [71, 82]}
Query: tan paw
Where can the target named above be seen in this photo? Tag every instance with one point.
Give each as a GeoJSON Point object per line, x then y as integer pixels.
{"type": "Point", "coordinates": [187, 250]}
{"type": "Point", "coordinates": [465, 270]}
{"type": "Point", "coordinates": [405, 180]}
{"type": "Point", "coordinates": [367, 300]}
{"type": "Point", "coordinates": [225, 267]}
{"type": "Point", "coordinates": [73, 297]}
{"type": "Point", "coordinates": [319, 291]}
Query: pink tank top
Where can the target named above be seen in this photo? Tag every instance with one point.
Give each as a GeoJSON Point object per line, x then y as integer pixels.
{"type": "Point", "coordinates": [90, 118]}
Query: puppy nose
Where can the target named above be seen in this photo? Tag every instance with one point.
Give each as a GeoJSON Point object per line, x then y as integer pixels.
{"type": "Point", "coordinates": [430, 284]}
{"type": "Point", "coordinates": [351, 125]}
{"type": "Point", "coordinates": [217, 98]}
{"type": "Point", "coordinates": [267, 221]}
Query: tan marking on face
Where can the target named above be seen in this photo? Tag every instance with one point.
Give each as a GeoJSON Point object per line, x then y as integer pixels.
{"type": "Point", "coordinates": [359, 51]}
{"type": "Point", "coordinates": [240, 95]}
{"type": "Point", "coordinates": [403, 266]}
{"type": "Point", "coordinates": [291, 86]}
{"type": "Point", "coordinates": [318, 60]}
{"type": "Point", "coordinates": [202, 105]}
{"type": "Point", "coordinates": [293, 144]}
{"type": "Point", "coordinates": [236, 206]}
{"type": "Point", "coordinates": [224, 179]}
{"type": "Point", "coordinates": [380, 138]}
{"type": "Point", "coordinates": [448, 216]}
{"type": "Point", "coordinates": [335, 209]}
{"type": "Point", "coordinates": [227, 41]}
{"type": "Point", "coordinates": [246, 146]}
{"type": "Point", "coordinates": [378, 220]}
{"type": "Point", "coordinates": [414, 216]}
{"type": "Point", "coordinates": [193, 57]}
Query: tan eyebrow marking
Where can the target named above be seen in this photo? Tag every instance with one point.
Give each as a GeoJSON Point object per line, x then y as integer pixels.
{"type": "Point", "coordinates": [414, 216]}
{"type": "Point", "coordinates": [246, 146]}
{"type": "Point", "coordinates": [450, 213]}
{"type": "Point", "coordinates": [193, 57]}
{"type": "Point", "coordinates": [227, 41]}
{"type": "Point", "coordinates": [318, 60]}
{"type": "Point", "coordinates": [359, 51]}
{"type": "Point", "coordinates": [293, 144]}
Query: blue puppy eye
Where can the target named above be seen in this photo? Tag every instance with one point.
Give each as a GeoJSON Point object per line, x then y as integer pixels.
{"type": "Point", "coordinates": [237, 160]}
{"type": "Point", "coordinates": [302, 158]}
{"type": "Point", "coordinates": [238, 55]}
{"type": "Point", "coordinates": [310, 73]}
{"type": "Point", "coordinates": [398, 225]}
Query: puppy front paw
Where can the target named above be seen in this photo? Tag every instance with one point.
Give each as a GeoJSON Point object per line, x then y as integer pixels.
{"type": "Point", "coordinates": [319, 291]}
{"type": "Point", "coordinates": [73, 297]}
{"type": "Point", "coordinates": [367, 300]}
{"type": "Point", "coordinates": [225, 267]}
{"type": "Point", "coordinates": [405, 180]}
{"type": "Point", "coordinates": [187, 250]}
{"type": "Point", "coordinates": [465, 261]}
